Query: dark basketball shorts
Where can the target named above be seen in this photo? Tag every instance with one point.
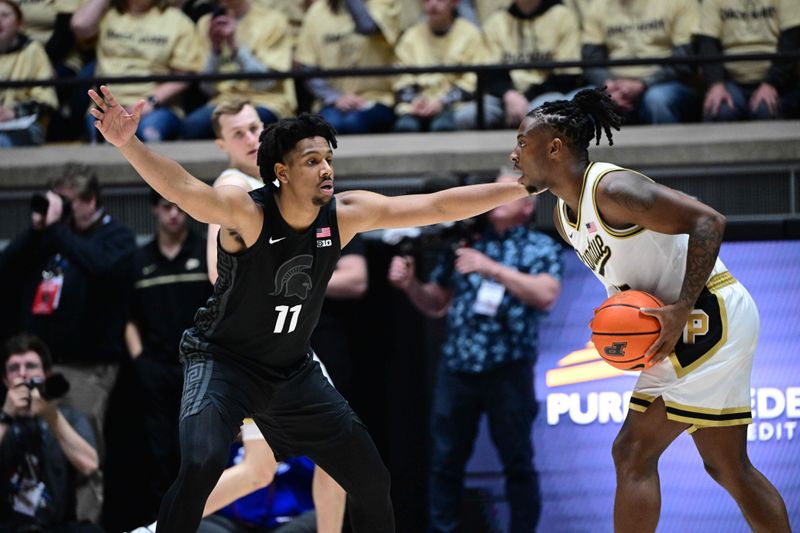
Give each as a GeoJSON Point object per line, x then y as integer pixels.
{"type": "Point", "coordinates": [296, 414]}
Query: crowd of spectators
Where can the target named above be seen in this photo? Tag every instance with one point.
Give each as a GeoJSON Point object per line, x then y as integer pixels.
{"type": "Point", "coordinates": [93, 39]}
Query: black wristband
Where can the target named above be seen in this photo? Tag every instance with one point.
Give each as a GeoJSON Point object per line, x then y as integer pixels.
{"type": "Point", "coordinates": [153, 101]}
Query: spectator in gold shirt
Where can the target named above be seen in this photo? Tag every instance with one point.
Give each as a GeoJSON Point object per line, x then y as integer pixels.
{"type": "Point", "coordinates": [625, 29]}
{"type": "Point", "coordinates": [526, 32]}
{"type": "Point", "coordinates": [24, 111]}
{"type": "Point", "coordinates": [351, 34]}
{"type": "Point", "coordinates": [242, 36]}
{"type": "Point", "coordinates": [750, 89]}
{"type": "Point", "coordinates": [142, 38]}
{"type": "Point", "coordinates": [430, 101]}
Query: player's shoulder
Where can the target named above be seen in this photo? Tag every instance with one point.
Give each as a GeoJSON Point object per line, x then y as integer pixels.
{"type": "Point", "coordinates": [235, 177]}
{"type": "Point", "coordinates": [357, 205]}
{"type": "Point", "coordinates": [356, 197]}
{"type": "Point", "coordinates": [617, 180]}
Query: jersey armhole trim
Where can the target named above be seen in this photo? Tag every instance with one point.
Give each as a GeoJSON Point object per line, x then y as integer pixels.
{"type": "Point", "coordinates": [613, 232]}
{"type": "Point", "coordinates": [577, 223]}
{"type": "Point", "coordinates": [559, 223]}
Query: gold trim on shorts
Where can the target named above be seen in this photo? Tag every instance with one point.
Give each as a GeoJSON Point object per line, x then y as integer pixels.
{"type": "Point", "coordinates": [697, 417]}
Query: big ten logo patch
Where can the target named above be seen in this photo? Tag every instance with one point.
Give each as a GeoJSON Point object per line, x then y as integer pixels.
{"type": "Point", "coordinates": [324, 237]}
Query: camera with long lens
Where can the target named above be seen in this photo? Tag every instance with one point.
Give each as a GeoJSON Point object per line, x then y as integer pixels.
{"type": "Point", "coordinates": [40, 204]}
{"type": "Point", "coordinates": [52, 387]}
{"type": "Point", "coordinates": [430, 241]}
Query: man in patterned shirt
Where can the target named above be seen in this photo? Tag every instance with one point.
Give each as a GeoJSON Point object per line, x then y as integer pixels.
{"type": "Point", "coordinates": [494, 294]}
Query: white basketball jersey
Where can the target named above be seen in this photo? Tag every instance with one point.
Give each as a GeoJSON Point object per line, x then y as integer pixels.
{"type": "Point", "coordinates": [253, 183]}
{"type": "Point", "coordinates": [630, 258]}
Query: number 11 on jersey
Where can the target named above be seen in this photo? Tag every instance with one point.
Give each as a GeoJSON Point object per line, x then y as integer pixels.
{"type": "Point", "coordinates": [284, 310]}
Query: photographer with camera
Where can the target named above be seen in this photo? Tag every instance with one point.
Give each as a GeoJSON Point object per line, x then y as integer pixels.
{"type": "Point", "coordinates": [69, 279]}
{"type": "Point", "coordinates": [494, 290]}
{"type": "Point", "coordinates": [44, 447]}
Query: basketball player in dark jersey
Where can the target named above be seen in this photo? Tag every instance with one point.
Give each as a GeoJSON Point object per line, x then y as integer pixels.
{"type": "Point", "coordinates": [248, 354]}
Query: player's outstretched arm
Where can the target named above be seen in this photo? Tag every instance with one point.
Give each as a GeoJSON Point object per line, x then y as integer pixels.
{"type": "Point", "coordinates": [628, 198]}
{"type": "Point", "coordinates": [364, 211]}
{"type": "Point", "coordinates": [229, 206]}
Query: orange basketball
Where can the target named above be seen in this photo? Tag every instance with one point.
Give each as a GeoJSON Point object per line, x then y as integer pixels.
{"type": "Point", "coordinates": [621, 333]}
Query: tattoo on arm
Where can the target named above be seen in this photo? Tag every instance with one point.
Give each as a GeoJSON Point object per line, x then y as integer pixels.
{"type": "Point", "coordinates": [703, 250]}
{"type": "Point", "coordinates": [630, 198]}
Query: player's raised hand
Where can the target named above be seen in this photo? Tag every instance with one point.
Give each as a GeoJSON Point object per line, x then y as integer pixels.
{"type": "Point", "coordinates": [116, 124]}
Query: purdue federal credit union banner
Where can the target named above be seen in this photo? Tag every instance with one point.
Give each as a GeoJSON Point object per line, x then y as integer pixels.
{"type": "Point", "coordinates": [582, 402]}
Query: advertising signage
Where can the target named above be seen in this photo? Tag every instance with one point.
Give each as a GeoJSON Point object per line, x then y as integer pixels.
{"type": "Point", "coordinates": [582, 402]}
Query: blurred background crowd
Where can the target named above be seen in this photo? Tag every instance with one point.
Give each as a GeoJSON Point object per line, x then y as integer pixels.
{"type": "Point", "coordinates": [97, 39]}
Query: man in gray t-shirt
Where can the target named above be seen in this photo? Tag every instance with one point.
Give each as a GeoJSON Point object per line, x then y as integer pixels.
{"type": "Point", "coordinates": [45, 449]}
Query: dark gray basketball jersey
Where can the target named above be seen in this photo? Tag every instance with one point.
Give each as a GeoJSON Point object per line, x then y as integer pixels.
{"type": "Point", "coordinates": [268, 298]}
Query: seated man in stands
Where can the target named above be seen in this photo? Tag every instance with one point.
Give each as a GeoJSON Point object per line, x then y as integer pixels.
{"type": "Point", "coordinates": [243, 37]}
{"type": "Point", "coordinates": [620, 29]}
{"type": "Point", "coordinates": [351, 34]}
{"type": "Point", "coordinates": [526, 32]}
{"type": "Point", "coordinates": [479, 11]}
{"type": "Point", "coordinates": [759, 90]}
{"type": "Point", "coordinates": [142, 38]}
{"type": "Point", "coordinates": [429, 102]}
{"type": "Point", "coordinates": [45, 449]}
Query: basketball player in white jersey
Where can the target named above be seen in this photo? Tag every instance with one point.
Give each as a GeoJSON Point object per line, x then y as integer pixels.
{"type": "Point", "coordinates": [236, 127]}
{"type": "Point", "coordinates": [636, 234]}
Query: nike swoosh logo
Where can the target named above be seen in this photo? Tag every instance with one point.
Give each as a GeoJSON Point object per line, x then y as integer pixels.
{"type": "Point", "coordinates": [273, 241]}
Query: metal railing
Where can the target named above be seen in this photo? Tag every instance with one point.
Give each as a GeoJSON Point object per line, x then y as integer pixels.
{"type": "Point", "coordinates": [481, 70]}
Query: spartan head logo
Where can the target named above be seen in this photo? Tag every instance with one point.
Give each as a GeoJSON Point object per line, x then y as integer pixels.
{"type": "Point", "coordinates": [291, 280]}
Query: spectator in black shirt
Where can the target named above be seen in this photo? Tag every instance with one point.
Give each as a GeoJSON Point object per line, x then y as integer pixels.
{"type": "Point", "coordinates": [171, 283]}
{"type": "Point", "coordinates": [333, 337]}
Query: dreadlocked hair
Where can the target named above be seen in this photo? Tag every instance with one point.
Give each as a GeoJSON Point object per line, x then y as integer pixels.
{"type": "Point", "coordinates": [585, 117]}
{"type": "Point", "coordinates": [280, 138]}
